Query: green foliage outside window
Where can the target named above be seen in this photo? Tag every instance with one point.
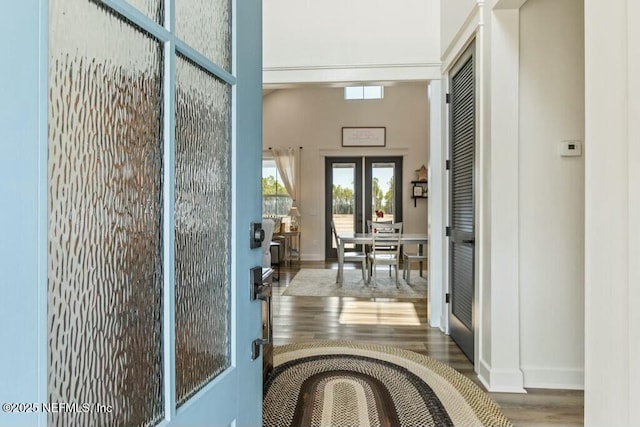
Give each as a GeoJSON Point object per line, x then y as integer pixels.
{"type": "Point", "coordinates": [272, 187]}
{"type": "Point", "coordinates": [344, 199]}
{"type": "Point", "coordinates": [275, 199]}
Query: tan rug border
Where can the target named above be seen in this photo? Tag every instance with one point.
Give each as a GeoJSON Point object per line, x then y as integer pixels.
{"type": "Point", "coordinates": [385, 289]}
{"type": "Point", "coordinates": [481, 404]}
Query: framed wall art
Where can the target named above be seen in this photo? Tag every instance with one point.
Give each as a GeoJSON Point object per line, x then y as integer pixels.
{"type": "Point", "coordinates": [364, 136]}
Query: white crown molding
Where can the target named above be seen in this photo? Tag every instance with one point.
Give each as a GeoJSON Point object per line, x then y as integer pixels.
{"type": "Point", "coordinates": [350, 66]}
{"type": "Point", "coordinates": [351, 73]}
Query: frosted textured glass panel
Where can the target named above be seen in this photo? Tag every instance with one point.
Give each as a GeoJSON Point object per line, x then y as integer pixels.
{"type": "Point", "coordinates": [206, 26]}
{"type": "Point", "coordinates": [202, 227]}
{"type": "Point", "coordinates": [154, 9]}
{"type": "Point", "coordinates": [105, 217]}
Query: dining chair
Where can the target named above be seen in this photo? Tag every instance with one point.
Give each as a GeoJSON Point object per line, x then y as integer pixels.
{"type": "Point", "coordinates": [351, 256]}
{"type": "Point", "coordinates": [385, 249]}
{"type": "Point", "coordinates": [370, 224]}
{"type": "Point", "coordinates": [369, 228]}
{"type": "Point", "coordinates": [407, 258]}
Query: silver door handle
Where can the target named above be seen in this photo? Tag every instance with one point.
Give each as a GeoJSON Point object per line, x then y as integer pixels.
{"type": "Point", "coordinates": [261, 291]}
{"type": "Point", "coordinates": [257, 344]}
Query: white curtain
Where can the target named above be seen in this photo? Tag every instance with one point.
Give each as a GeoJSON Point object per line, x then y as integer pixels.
{"type": "Point", "coordinates": [288, 164]}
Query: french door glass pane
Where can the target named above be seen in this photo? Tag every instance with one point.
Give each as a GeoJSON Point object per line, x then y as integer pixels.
{"type": "Point", "coordinates": [202, 227]}
{"type": "Point", "coordinates": [104, 216]}
{"type": "Point", "coordinates": [154, 9]}
{"type": "Point", "coordinates": [382, 192]}
{"type": "Point", "coordinates": [206, 26]}
{"type": "Point", "coordinates": [344, 199]}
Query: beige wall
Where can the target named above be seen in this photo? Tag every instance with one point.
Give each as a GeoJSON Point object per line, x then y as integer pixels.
{"type": "Point", "coordinates": [312, 118]}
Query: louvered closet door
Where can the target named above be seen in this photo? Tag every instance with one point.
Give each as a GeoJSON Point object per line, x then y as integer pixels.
{"type": "Point", "coordinates": [462, 238]}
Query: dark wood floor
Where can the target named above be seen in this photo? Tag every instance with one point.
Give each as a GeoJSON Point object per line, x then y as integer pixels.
{"type": "Point", "coordinates": [403, 323]}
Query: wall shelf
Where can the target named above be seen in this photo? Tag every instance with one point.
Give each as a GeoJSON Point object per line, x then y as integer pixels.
{"type": "Point", "coordinates": [418, 191]}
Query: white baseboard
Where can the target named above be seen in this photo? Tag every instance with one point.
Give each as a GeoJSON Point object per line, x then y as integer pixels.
{"type": "Point", "coordinates": [311, 257]}
{"type": "Point", "coordinates": [557, 378]}
{"type": "Point", "coordinates": [501, 380]}
{"type": "Point", "coordinates": [434, 322]}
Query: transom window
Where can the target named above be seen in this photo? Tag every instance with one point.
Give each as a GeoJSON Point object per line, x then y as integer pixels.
{"type": "Point", "coordinates": [363, 92]}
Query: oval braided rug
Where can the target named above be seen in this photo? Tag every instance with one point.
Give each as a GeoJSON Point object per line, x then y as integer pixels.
{"type": "Point", "coordinates": [362, 385]}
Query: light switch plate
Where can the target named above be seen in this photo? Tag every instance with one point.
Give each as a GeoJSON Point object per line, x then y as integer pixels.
{"type": "Point", "coordinates": [571, 148]}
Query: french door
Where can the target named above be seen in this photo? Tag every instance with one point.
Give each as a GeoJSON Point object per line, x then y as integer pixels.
{"type": "Point", "coordinates": [462, 202]}
{"type": "Point", "coordinates": [133, 125]}
{"type": "Point", "coordinates": [358, 189]}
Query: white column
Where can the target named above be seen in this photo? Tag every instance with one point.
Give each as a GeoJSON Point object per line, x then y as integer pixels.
{"type": "Point", "coordinates": [499, 363]}
{"type": "Point", "coordinates": [612, 193]}
{"type": "Point", "coordinates": [437, 207]}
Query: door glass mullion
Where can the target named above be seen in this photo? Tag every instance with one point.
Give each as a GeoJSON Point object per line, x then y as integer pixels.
{"type": "Point", "coordinates": [168, 342]}
{"type": "Point", "coordinates": [217, 59]}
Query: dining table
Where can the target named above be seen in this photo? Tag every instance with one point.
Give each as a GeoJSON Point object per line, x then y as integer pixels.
{"type": "Point", "coordinates": [420, 239]}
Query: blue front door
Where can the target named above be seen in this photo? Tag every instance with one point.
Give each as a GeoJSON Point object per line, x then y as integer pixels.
{"type": "Point", "coordinates": [128, 128]}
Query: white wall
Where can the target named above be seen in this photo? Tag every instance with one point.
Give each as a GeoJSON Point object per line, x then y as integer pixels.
{"type": "Point", "coordinates": [355, 40]}
{"type": "Point", "coordinates": [453, 15]}
{"type": "Point", "coordinates": [312, 117]}
{"type": "Point", "coordinates": [633, 185]}
{"type": "Point", "coordinates": [551, 188]}
{"type": "Point", "coordinates": [612, 179]}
